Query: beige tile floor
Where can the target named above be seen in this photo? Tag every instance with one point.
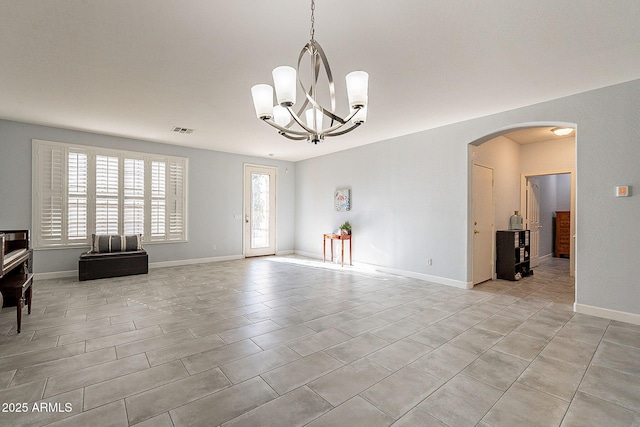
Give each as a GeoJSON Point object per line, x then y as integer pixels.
{"type": "Point", "coordinates": [292, 342]}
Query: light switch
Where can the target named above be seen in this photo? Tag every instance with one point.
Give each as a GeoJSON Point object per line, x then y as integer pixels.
{"type": "Point", "coordinates": [622, 191]}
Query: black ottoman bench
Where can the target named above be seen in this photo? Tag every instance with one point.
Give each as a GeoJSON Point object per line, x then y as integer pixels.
{"type": "Point", "coordinates": [113, 256]}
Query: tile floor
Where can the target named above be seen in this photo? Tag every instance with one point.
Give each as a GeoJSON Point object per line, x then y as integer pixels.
{"type": "Point", "coordinates": [288, 342]}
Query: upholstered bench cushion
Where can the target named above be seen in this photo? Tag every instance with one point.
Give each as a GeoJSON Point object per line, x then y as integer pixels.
{"type": "Point", "coordinates": [105, 243]}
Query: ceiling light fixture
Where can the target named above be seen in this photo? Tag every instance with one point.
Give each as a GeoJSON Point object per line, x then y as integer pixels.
{"type": "Point", "coordinates": [562, 131]}
{"type": "Point", "coordinates": [287, 121]}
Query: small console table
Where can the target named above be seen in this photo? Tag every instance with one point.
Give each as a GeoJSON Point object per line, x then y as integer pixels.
{"type": "Point", "coordinates": [332, 237]}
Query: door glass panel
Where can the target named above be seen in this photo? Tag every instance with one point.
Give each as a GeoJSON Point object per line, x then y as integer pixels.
{"type": "Point", "coordinates": [259, 210]}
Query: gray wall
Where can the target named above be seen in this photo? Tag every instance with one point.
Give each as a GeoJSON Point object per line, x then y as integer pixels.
{"type": "Point", "coordinates": [214, 195]}
{"type": "Point", "coordinates": [410, 195]}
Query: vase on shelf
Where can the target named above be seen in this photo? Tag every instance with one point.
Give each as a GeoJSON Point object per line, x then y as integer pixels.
{"type": "Point", "coordinates": [515, 222]}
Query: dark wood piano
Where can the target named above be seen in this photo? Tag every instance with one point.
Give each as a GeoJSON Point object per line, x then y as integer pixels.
{"type": "Point", "coordinates": [16, 276]}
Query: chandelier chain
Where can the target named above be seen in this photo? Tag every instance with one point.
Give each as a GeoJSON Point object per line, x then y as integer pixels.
{"type": "Point", "coordinates": [313, 20]}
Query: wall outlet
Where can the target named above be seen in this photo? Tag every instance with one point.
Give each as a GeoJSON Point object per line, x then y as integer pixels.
{"type": "Point", "coordinates": [429, 261]}
{"type": "Point", "coordinates": [214, 247]}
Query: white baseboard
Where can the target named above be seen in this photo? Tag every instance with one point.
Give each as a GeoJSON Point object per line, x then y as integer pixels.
{"type": "Point", "coordinates": [179, 262]}
{"type": "Point", "coordinates": [55, 275]}
{"type": "Point", "coordinates": [160, 264]}
{"type": "Point", "coordinates": [285, 253]}
{"type": "Point", "coordinates": [621, 316]}
{"type": "Point", "coordinates": [428, 278]}
{"type": "Point", "coordinates": [420, 276]}
{"type": "Point", "coordinates": [307, 254]}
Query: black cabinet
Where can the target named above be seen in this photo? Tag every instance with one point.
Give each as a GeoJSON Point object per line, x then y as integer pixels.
{"type": "Point", "coordinates": [512, 254]}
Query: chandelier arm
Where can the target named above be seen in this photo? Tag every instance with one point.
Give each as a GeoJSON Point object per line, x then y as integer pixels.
{"type": "Point", "coordinates": [301, 109]}
{"type": "Point", "coordinates": [332, 86]}
{"type": "Point", "coordinates": [315, 51]}
{"type": "Point", "coordinates": [342, 121]}
{"type": "Point", "coordinates": [332, 128]}
{"type": "Point", "coordinates": [300, 122]}
{"type": "Point", "coordinates": [355, 125]}
{"type": "Point", "coordinates": [285, 130]}
{"type": "Point", "coordinates": [295, 138]}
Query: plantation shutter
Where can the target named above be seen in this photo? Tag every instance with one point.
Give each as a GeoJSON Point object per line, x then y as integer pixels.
{"type": "Point", "coordinates": [49, 190]}
{"type": "Point", "coordinates": [107, 206]}
{"type": "Point", "coordinates": [76, 195]}
{"type": "Point", "coordinates": [158, 199]}
{"type": "Point", "coordinates": [133, 196]}
{"type": "Point", "coordinates": [176, 200]}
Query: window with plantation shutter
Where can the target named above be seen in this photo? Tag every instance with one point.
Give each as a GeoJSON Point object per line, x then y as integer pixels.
{"type": "Point", "coordinates": [176, 199]}
{"type": "Point", "coordinates": [48, 186]}
{"type": "Point", "coordinates": [134, 196]}
{"type": "Point", "coordinates": [81, 190]}
{"type": "Point", "coordinates": [158, 199]}
{"type": "Point", "coordinates": [107, 194]}
{"type": "Point", "coordinates": [76, 195]}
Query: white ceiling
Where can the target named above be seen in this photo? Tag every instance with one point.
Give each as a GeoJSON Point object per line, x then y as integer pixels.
{"type": "Point", "coordinates": [139, 68]}
{"type": "Point", "coordinates": [535, 134]}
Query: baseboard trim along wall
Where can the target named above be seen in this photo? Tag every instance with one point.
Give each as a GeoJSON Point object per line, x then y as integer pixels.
{"type": "Point", "coordinates": [426, 277]}
{"type": "Point", "coordinates": [160, 264]}
{"type": "Point", "coordinates": [621, 316]}
{"type": "Point", "coordinates": [179, 262]}
{"type": "Point", "coordinates": [55, 275]}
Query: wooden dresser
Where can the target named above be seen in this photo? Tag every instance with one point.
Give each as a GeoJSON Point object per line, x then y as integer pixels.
{"type": "Point", "coordinates": [563, 233]}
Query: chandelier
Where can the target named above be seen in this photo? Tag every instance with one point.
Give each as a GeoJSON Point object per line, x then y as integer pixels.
{"type": "Point", "coordinates": [289, 122]}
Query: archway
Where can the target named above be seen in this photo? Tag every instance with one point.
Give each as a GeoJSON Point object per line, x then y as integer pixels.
{"type": "Point", "coordinates": [538, 153]}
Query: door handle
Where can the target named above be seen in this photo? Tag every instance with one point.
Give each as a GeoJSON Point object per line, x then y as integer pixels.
{"type": "Point", "coordinates": [246, 219]}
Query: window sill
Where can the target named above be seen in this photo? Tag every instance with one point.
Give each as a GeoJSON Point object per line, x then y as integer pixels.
{"type": "Point", "coordinates": [87, 246]}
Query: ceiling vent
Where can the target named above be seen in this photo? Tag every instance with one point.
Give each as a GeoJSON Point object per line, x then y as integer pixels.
{"type": "Point", "coordinates": [178, 129]}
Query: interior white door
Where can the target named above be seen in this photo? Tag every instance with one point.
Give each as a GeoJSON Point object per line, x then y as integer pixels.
{"type": "Point", "coordinates": [533, 221]}
{"type": "Point", "coordinates": [483, 227]}
{"type": "Point", "coordinates": [259, 210]}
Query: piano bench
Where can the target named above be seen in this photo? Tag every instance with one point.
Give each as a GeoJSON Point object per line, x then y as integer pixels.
{"type": "Point", "coordinates": [18, 288]}
{"type": "Point", "coordinates": [112, 264]}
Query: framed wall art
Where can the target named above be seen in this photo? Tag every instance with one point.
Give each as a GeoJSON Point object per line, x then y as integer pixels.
{"type": "Point", "coordinates": [342, 200]}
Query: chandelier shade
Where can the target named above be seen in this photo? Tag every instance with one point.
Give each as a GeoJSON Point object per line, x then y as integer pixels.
{"type": "Point", "coordinates": [357, 85]}
{"type": "Point", "coordinates": [290, 123]}
{"type": "Point", "coordinates": [263, 100]}
{"type": "Point", "coordinates": [284, 80]}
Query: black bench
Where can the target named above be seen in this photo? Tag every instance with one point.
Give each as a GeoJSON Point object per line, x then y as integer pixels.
{"type": "Point", "coordinates": [113, 256]}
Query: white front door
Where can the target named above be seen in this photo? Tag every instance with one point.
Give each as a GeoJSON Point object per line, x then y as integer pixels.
{"type": "Point", "coordinates": [259, 210]}
{"type": "Point", "coordinates": [533, 221]}
{"type": "Point", "coordinates": [483, 232]}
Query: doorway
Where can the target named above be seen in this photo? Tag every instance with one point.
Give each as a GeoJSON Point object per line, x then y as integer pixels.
{"type": "Point", "coordinates": [483, 229]}
{"type": "Point", "coordinates": [545, 196]}
{"type": "Point", "coordinates": [532, 220]}
{"type": "Point", "coordinates": [259, 233]}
